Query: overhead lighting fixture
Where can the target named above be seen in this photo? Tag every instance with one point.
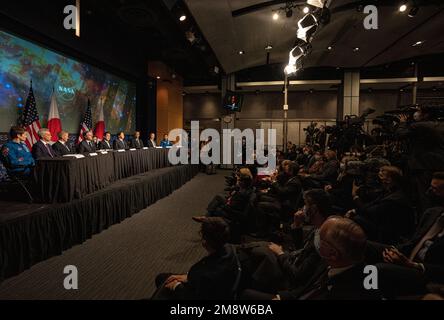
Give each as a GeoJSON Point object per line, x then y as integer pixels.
{"type": "Point", "coordinates": [306, 10]}
{"type": "Point", "coordinates": [269, 47]}
{"type": "Point", "coordinates": [317, 3]}
{"type": "Point", "coordinates": [356, 49]}
{"type": "Point", "coordinates": [241, 52]}
{"type": "Point", "coordinates": [158, 77]}
{"type": "Point", "coordinates": [307, 26]}
{"type": "Point", "coordinates": [402, 8]}
{"type": "Point", "coordinates": [295, 54]}
{"type": "Point", "coordinates": [329, 48]}
{"type": "Point", "coordinates": [417, 44]}
{"type": "Point", "coordinates": [183, 18]}
{"type": "Point", "coordinates": [275, 16]}
{"type": "Point", "coordinates": [413, 11]}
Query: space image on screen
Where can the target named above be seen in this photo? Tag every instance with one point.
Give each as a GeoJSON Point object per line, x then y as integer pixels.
{"type": "Point", "coordinates": [73, 82]}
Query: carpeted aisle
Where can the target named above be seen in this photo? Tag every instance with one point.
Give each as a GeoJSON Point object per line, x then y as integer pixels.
{"type": "Point", "coordinates": [122, 262]}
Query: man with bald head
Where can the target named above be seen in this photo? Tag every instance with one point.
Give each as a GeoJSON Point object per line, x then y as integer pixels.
{"type": "Point", "coordinates": [342, 245]}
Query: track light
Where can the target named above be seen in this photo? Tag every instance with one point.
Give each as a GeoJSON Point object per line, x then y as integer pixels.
{"type": "Point", "coordinates": [306, 10]}
{"type": "Point", "coordinates": [317, 3]}
{"type": "Point", "coordinates": [307, 27]}
{"type": "Point", "coordinates": [403, 7]}
{"type": "Point", "coordinates": [275, 16]}
{"type": "Point", "coordinates": [183, 18]}
{"type": "Point", "coordinates": [413, 11]}
{"type": "Point", "coordinates": [295, 54]}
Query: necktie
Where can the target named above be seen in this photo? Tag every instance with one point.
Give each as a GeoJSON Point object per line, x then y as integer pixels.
{"type": "Point", "coordinates": [433, 231]}
{"type": "Point", "coordinates": [49, 150]}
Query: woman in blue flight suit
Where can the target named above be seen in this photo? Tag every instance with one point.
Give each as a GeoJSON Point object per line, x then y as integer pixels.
{"type": "Point", "coordinates": [16, 154]}
{"type": "Point", "coordinates": [165, 143]}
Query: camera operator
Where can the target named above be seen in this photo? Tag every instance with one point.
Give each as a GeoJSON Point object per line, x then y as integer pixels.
{"type": "Point", "coordinates": [425, 138]}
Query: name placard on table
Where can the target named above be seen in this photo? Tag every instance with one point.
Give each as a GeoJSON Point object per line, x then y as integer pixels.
{"type": "Point", "coordinates": [77, 156]}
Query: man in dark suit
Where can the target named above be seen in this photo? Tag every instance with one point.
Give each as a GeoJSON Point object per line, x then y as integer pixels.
{"type": "Point", "coordinates": [152, 140]}
{"type": "Point", "coordinates": [390, 218]}
{"type": "Point", "coordinates": [136, 142]}
{"type": "Point", "coordinates": [87, 145]}
{"type": "Point", "coordinates": [409, 267]}
{"type": "Point", "coordinates": [119, 143]}
{"type": "Point", "coordinates": [43, 149]}
{"type": "Point", "coordinates": [62, 146]}
{"type": "Point", "coordinates": [328, 174]}
{"type": "Point", "coordinates": [214, 277]}
{"type": "Point", "coordinates": [105, 144]}
{"type": "Point", "coordinates": [342, 245]}
{"type": "Point", "coordinates": [281, 272]}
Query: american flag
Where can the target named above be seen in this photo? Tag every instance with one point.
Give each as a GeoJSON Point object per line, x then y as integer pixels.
{"type": "Point", "coordinates": [31, 120]}
{"type": "Point", "coordinates": [86, 123]}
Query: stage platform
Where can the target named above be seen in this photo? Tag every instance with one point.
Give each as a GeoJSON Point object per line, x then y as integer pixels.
{"type": "Point", "coordinates": [30, 233]}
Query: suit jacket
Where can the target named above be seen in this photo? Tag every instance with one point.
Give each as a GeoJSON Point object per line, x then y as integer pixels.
{"type": "Point", "coordinates": [39, 151]}
{"type": "Point", "coordinates": [150, 144]}
{"type": "Point", "coordinates": [136, 144]}
{"type": "Point", "coordinates": [105, 145]}
{"type": "Point", "coordinates": [62, 149]}
{"type": "Point", "coordinates": [212, 278]}
{"type": "Point", "coordinates": [120, 145]}
{"type": "Point", "coordinates": [389, 219]}
{"type": "Point", "coordinates": [84, 147]}
{"type": "Point", "coordinates": [287, 192]}
{"type": "Point", "coordinates": [348, 285]}
{"type": "Point", "coordinates": [434, 258]}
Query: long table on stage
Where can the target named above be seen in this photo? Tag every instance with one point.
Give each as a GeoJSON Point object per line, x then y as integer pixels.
{"type": "Point", "coordinates": [66, 179]}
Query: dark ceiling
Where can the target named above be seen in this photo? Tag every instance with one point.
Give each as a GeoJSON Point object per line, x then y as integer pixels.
{"type": "Point", "coordinates": [228, 33]}
{"type": "Point", "coordinates": [120, 35]}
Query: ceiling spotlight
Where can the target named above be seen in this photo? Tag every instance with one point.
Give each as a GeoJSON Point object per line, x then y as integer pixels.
{"type": "Point", "coordinates": [417, 44]}
{"type": "Point", "coordinates": [295, 54]}
{"type": "Point", "coordinates": [317, 3]}
{"type": "Point", "coordinates": [402, 8]}
{"type": "Point", "coordinates": [356, 49]}
{"type": "Point", "coordinates": [276, 16]}
{"type": "Point", "coordinates": [307, 26]}
{"type": "Point", "coordinates": [158, 77]}
{"type": "Point", "coordinates": [413, 11]}
{"type": "Point", "coordinates": [269, 47]}
{"type": "Point", "coordinates": [311, 91]}
{"type": "Point", "coordinates": [241, 52]}
{"type": "Point", "coordinates": [183, 18]}
{"type": "Point", "coordinates": [289, 13]}
{"type": "Point", "coordinates": [306, 10]}
{"type": "Point", "coordinates": [330, 48]}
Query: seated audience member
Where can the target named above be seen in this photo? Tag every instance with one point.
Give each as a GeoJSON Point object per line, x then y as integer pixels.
{"type": "Point", "coordinates": [281, 199]}
{"type": "Point", "coordinates": [342, 245]}
{"type": "Point", "coordinates": [212, 278]}
{"type": "Point", "coordinates": [105, 144]}
{"type": "Point", "coordinates": [232, 207]}
{"type": "Point", "coordinates": [62, 146]}
{"type": "Point", "coordinates": [152, 140]}
{"type": "Point", "coordinates": [327, 175]}
{"type": "Point", "coordinates": [410, 266]}
{"type": "Point", "coordinates": [136, 142]}
{"type": "Point", "coordinates": [389, 219]}
{"type": "Point", "coordinates": [16, 153]}
{"type": "Point", "coordinates": [42, 148]}
{"type": "Point", "coordinates": [272, 270]}
{"type": "Point", "coordinates": [119, 143]}
{"type": "Point", "coordinates": [87, 145]}
{"type": "Point", "coordinates": [165, 142]}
